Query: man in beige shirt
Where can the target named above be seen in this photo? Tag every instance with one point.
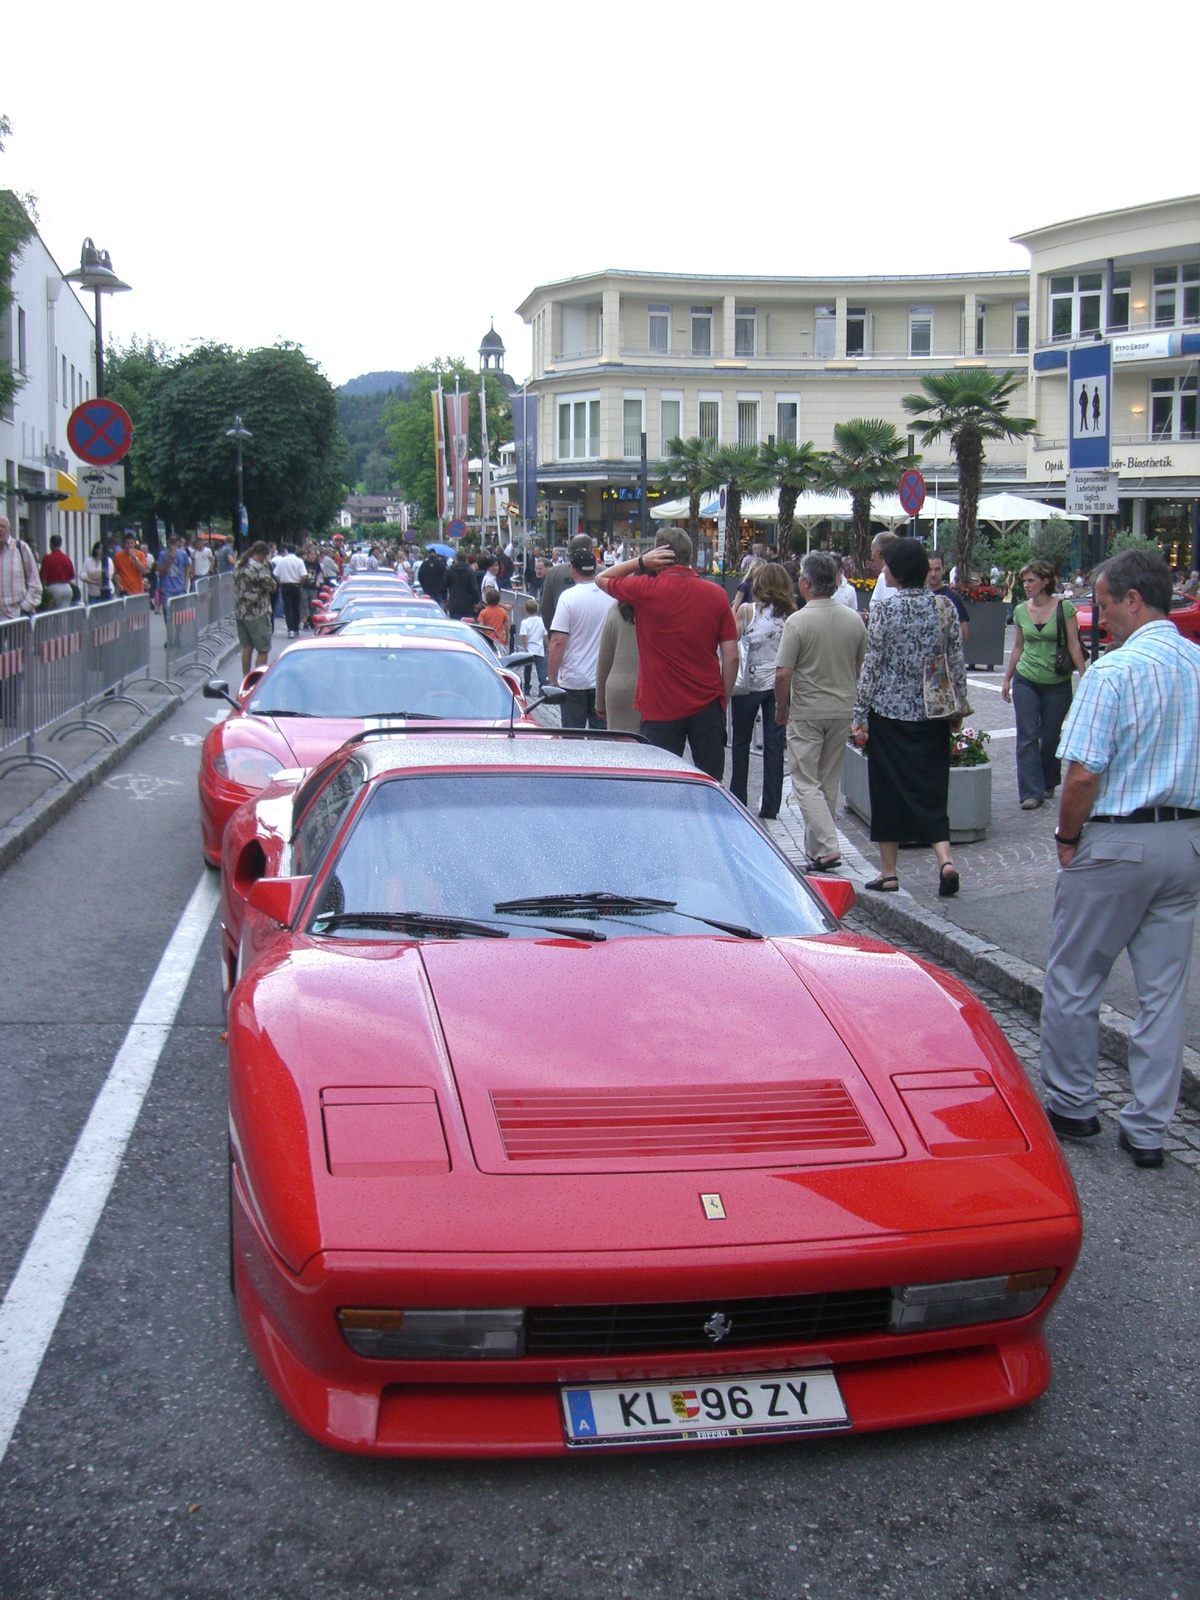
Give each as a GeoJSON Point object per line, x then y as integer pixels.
{"type": "Point", "coordinates": [816, 673]}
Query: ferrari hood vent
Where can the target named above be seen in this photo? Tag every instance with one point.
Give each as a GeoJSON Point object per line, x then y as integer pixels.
{"type": "Point", "coordinates": [712, 1123]}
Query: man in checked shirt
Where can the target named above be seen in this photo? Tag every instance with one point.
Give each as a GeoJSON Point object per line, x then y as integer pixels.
{"type": "Point", "coordinates": [1129, 853]}
{"type": "Point", "coordinates": [20, 596]}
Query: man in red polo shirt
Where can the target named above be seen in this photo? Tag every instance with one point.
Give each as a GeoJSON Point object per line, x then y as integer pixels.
{"type": "Point", "coordinates": [687, 650]}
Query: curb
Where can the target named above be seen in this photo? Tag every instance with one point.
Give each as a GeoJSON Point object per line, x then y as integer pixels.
{"type": "Point", "coordinates": [1017, 980]}
{"type": "Point", "coordinates": [29, 825]}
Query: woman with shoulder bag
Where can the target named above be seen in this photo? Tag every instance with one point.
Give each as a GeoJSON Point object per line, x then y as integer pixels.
{"type": "Point", "coordinates": [760, 619]}
{"type": "Point", "coordinates": [1037, 680]}
{"type": "Point", "coordinates": [912, 695]}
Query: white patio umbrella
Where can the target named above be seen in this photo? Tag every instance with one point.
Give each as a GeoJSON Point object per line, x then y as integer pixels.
{"type": "Point", "coordinates": [1005, 511]}
{"type": "Point", "coordinates": [887, 508]}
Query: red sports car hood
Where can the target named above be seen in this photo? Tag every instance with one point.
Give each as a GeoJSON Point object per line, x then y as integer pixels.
{"type": "Point", "coordinates": [311, 739]}
{"type": "Point", "coordinates": [648, 1055]}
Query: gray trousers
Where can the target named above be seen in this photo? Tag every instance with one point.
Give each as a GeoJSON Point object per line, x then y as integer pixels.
{"type": "Point", "coordinates": [1135, 887]}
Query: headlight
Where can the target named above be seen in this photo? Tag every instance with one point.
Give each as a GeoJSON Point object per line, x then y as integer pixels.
{"type": "Point", "coordinates": [242, 764]}
{"type": "Point", "coordinates": [922, 1307]}
{"type": "Point", "coordinates": [434, 1335]}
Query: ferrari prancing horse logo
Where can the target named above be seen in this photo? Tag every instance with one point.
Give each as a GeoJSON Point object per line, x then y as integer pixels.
{"type": "Point", "coordinates": [714, 1207]}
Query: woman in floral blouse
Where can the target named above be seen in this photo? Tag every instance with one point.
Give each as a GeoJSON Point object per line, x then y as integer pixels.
{"type": "Point", "coordinates": [908, 753]}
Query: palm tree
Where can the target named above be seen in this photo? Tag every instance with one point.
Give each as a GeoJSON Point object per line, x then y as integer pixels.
{"type": "Point", "coordinates": [868, 458]}
{"type": "Point", "coordinates": [793, 469]}
{"type": "Point", "coordinates": [971, 405]}
{"type": "Point", "coordinates": [737, 466]}
{"type": "Point", "coordinates": [686, 468]}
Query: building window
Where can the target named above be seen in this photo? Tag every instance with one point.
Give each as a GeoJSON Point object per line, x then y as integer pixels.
{"type": "Point", "coordinates": [1118, 305]}
{"type": "Point", "coordinates": [856, 330]}
{"type": "Point", "coordinates": [578, 427]}
{"type": "Point", "coordinates": [824, 331]}
{"type": "Point", "coordinates": [980, 328]}
{"type": "Point", "coordinates": [702, 330]}
{"type": "Point", "coordinates": [787, 420]}
{"type": "Point", "coordinates": [21, 351]}
{"type": "Point", "coordinates": [1173, 408]}
{"type": "Point", "coordinates": [631, 427]}
{"type": "Point", "coordinates": [748, 423]}
{"type": "Point", "coordinates": [1176, 295]}
{"type": "Point", "coordinates": [710, 421]}
{"type": "Point", "coordinates": [1021, 325]}
{"type": "Point", "coordinates": [1075, 305]}
{"type": "Point", "coordinates": [745, 331]}
{"type": "Point", "coordinates": [670, 418]}
{"type": "Point", "coordinates": [920, 330]}
{"type": "Point", "coordinates": [659, 343]}
{"type": "Point", "coordinates": [72, 386]}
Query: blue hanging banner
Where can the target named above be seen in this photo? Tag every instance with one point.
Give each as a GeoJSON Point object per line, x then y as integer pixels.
{"type": "Point", "coordinates": [1089, 388]}
{"type": "Point", "coordinates": [524, 418]}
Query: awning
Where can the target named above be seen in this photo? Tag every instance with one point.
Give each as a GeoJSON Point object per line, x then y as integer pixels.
{"type": "Point", "coordinates": [68, 486]}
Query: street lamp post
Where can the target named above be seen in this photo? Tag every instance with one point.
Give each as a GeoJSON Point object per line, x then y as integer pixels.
{"type": "Point", "coordinates": [239, 433]}
{"type": "Point", "coordinates": [95, 272]}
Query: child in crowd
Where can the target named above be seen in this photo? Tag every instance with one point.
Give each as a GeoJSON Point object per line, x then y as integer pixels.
{"type": "Point", "coordinates": [494, 616]}
{"type": "Point", "coordinates": [531, 636]}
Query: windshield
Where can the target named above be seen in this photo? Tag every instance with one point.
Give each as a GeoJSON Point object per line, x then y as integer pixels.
{"type": "Point", "coordinates": [463, 845]}
{"type": "Point", "coordinates": [387, 608]}
{"type": "Point", "coordinates": [380, 682]}
{"type": "Point", "coordinates": [417, 628]}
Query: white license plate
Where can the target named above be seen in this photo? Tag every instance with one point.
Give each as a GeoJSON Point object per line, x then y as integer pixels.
{"type": "Point", "coordinates": [692, 1410]}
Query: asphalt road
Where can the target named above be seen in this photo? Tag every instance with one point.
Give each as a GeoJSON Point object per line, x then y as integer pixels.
{"type": "Point", "coordinates": [151, 1460]}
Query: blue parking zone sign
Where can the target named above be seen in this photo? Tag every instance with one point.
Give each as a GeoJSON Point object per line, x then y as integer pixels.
{"type": "Point", "coordinates": [1089, 387]}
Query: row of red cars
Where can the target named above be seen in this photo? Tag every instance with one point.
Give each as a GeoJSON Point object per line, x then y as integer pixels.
{"type": "Point", "coordinates": [564, 1114]}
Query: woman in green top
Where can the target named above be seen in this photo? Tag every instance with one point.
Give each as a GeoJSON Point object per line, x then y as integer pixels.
{"type": "Point", "coordinates": [1041, 696]}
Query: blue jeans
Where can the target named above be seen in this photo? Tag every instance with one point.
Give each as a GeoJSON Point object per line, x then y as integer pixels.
{"type": "Point", "coordinates": [578, 710]}
{"type": "Point", "coordinates": [1041, 709]}
{"type": "Point", "coordinates": [746, 708]}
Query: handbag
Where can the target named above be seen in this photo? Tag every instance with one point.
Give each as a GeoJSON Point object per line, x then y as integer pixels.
{"type": "Point", "coordinates": [1063, 665]}
{"type": "Point", "coordinates": [742, 681]}
{"type": "Point", "coordinates": [941, 697]}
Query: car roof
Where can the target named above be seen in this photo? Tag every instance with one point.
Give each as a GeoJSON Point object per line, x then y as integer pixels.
{"type": "Point", "coordinates": [377, 641]}
{"type": "Point", "coordinates": [533, 750]}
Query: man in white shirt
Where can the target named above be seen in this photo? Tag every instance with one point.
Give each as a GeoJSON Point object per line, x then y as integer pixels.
{"type": "Point", "coordinates": [845, 594]}
{"type": "Point", "coordinates": [360, 561]}
{"type": "Point", "coordinates": [202, 560]}
{"type": "Point", "coordinates": [290, 573]}
{"type": "Point", "coordinates": [575, 642]}
{"type": "Point", "coordinates": [883, 589]}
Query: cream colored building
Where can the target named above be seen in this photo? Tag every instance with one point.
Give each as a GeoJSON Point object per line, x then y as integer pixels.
{"type": "Point", "coordinates": [740, 359]}
{"type": "Point", "coordinates": [1131, 277]}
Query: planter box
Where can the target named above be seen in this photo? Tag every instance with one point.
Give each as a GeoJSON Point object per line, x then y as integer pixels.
{"type": "Point", "coordinates": [970, 796]}
{"type": "Point", "coordinates": [985, 633]}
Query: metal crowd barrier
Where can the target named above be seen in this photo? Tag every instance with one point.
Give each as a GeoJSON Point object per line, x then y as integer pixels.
{"type": "Point", "coordinates": [181, 613]}
{"type": "Point", "coordinates": [68, 661]}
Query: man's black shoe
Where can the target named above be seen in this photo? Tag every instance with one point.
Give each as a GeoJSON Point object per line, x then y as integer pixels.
{"type": "Point", "coordinates": [1073, 1127]}
{"type": "Point", "coordinates": [1142, 1157]}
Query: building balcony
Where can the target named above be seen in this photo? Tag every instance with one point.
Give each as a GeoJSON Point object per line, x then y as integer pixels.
{"type": "Point", "coordinates": [789, 359]}
{"type": "Point", "coordinates": [1122, 330]}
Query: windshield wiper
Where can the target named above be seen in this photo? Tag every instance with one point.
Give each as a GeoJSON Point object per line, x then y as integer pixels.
{"type": "Point", "coordinates": [400, 921]}
{"type": "Point", "coordinates": [412, 716]}
{"type": "Point", "coordinates": [281, 711]}
{"type": "Point", "coordinates": [601, 902]}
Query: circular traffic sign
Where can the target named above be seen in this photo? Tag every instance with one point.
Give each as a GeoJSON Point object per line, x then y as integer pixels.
{"type": "Point", "coordinates": [912, 491]}
{"type": "Point", "coordinates": [100, 432]}
{"type": "Point", "coordinates": [456, 529]}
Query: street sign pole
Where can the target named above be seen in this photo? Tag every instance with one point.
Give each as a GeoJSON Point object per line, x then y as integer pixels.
{"type": "Point", "coordinates": [105, 586]}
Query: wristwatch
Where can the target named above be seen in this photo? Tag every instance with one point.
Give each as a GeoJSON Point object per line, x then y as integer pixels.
{"type": "Point", "coordinates": [1070, 843]}
{"type": "Point", "coordinates": [641, 565]}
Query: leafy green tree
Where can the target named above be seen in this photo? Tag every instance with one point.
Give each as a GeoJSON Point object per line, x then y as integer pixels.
{"type": "Point", "coordinates": [131, 372]}
{"type": "Point", "coordinates": [376, 475]}
{"type": "Point", "coordinates": [970, 406]}
{"type": "Point", "coordinates": [409, 425]}
{"type": "Point", "coordinates": [1009, 551]}
{"type": "Point", "coordinates": [794, 469]}
{"type": "Point", "coordinates": [183, 446]}
{"type": "Point", "coordinates": [361, 416]}
{"type": "Point", "coordinates": [739, 468]}
{"type": "Point", "coordinates": [686, 468]}
{"type": "Point", "coordinates": [1051, 541]}
{"type": "Point", "coordinates": [868, 458]}
{"type": "Point", "coordinates": [1126, 539]}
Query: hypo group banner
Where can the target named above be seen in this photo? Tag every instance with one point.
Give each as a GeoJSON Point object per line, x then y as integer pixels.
{"type": "Point", "coordinates": [1090, 384]}
{"type": "Point", "coordinates": [439, 451]}
{"type": "Point", "coordinates": [524, 416]}
{"type": "Point", "coordinates": [457, 430]}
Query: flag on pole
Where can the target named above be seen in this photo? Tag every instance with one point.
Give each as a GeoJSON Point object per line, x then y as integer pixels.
{"type": "Point", "coordinates": [524, 415]}
{"type": "Point", "coordinates": [439, 450]}
{"type": "Point", "coordinates": [457, 427]}
{"type": "Point", "coordinates": [485, 467]}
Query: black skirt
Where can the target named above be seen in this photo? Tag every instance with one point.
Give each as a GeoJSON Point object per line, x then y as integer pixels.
{"type": "Point", "coordinates": [908, 770]}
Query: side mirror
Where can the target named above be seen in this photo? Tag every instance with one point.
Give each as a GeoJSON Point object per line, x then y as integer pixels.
{"type": "Point", "coordinates": [519, 658]}
{"type": "Point", "coordinates": [837, 893]}
{"type": "Point", "coordinates": [551, 695]}
{"type": "Point", "coordinates": [218, 689]}
{"type": "Point", "coordinates": [278, 898]}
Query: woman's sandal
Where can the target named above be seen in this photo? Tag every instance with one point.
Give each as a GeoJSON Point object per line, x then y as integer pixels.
{"type": "Point", "coordinates": [815, 864]}
{"type": "Point", "coordinates": [888, 885]}
{"type": "Point", "coordinates": [948, 880]}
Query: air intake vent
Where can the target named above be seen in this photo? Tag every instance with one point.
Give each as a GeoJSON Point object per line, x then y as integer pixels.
{"type": "Point", "coordinates": [691, 1325]}
{"type": "Point", "coordinates": [748, 1120]}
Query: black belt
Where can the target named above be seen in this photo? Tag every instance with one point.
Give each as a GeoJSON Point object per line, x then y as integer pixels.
{"type": "Point", "coordinates": [1154, 814]}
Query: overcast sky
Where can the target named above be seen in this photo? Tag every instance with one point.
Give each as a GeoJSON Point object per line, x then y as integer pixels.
{"type": "Point", "coordinates": [374, 181]}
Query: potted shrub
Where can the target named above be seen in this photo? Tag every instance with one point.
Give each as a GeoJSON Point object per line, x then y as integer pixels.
{"type": "Point", "coordinates": [970, 785]}
{"type": "Point", "coordinates": [985, 629]}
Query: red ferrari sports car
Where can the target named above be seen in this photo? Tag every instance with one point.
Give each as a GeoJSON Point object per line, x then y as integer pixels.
{"type": "Point", "coordinates": [320, 692]}
{"type": "Point", "coordinates": [1185, 614]}
{"type": "Point", "coordinates": [604, 1135]}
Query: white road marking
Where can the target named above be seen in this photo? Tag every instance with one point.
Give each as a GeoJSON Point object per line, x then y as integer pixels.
{"type": "Point", "coordinates": [982, 683]}
{"type": "Point", "coordinates": [187, 738]}
{"type": "Point", "coordinates": [140, 785]}
{"type": "Point", "coordinates": [37, 1294]}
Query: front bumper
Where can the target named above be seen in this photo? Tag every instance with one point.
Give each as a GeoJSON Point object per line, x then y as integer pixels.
{"type": "Point", "coordinates": [512, 1408]}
